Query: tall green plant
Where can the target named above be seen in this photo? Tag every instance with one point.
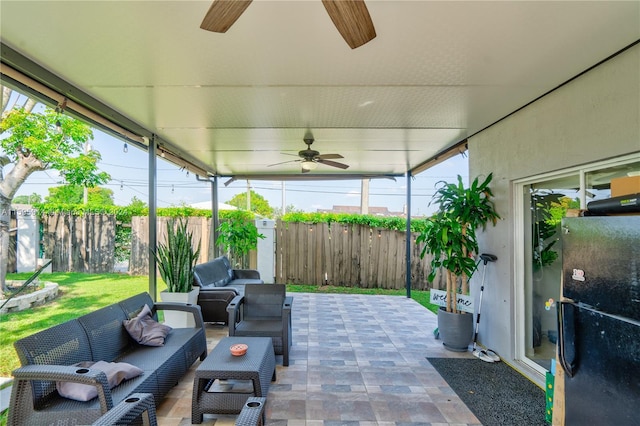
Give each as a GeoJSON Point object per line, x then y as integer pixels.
{"type": "Point", "coordinates": [237, 236]}
{"type": "Point", "coordinates": [451, 236]}
{"type": "Point", "coordinates": [176, 257]}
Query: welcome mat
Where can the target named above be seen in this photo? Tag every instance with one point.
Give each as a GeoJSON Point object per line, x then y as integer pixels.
{"type": "Point", "coordinates": [494, 392]}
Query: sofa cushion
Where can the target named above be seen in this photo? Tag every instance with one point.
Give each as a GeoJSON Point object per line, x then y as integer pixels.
{"type": "Point", "coordinates": [243, 281]}
{"type": "Point", "coordinates": [116, 373]}
{"type": "Point", "coordinates": [133, 305]}
{"type": "Point", "coordinates": [105, 325]}
{"type": "Point", "coordinates": [145, 330]}
{"type": "Point", "coordinates": [215, 273]}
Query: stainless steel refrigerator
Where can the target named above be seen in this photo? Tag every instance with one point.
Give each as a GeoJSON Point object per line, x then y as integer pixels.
{"type": "Point", "coordinates": [599, 327]}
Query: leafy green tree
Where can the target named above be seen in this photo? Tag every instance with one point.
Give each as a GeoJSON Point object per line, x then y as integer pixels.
{"type": "Point", "coordinates": [137, 204]}
{"type": "Point", "coordinates": [27, 199]}
{"type": "Point", "coordinates": [237, 235]}
{"type": "Point", "coordinates": [34, 141]}
{"type": "Point", "coordinates": [74, 194]}
{"type": "Point", "coordinates": [277, 211]}
{"type": "Point", "coordinates": [259, 204]}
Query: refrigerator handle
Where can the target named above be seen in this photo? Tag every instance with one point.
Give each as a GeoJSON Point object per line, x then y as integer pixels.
{"type": "Point", "coordinates": [566, 337]}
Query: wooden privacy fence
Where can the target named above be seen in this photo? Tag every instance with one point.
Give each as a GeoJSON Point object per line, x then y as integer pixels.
{"type": "Point", "coordinates": [79, 243]}
{"type": "Point", "coordinates": [139, 260]}
{"type": "Point", "coordinates": [349, 255]}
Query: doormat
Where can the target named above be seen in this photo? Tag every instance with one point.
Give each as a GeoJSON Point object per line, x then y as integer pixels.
{"type": "Point", "coordinates": [494, 392]}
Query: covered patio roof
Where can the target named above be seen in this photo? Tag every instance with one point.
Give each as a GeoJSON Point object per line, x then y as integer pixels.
{"type": "Point", "coordinates": [235, 104]}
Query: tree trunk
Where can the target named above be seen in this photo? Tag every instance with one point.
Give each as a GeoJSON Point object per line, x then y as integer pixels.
{"type": "Point", "coordinates": [5, 221]}
{"type": "Point", "coordinates": [449, 292]}
{"type": "Point", "coordinates": [465, 279]}
{"type": "Point", "coordinates": [9, 185]}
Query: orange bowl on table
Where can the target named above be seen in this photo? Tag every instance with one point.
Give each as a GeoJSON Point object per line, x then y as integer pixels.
{"type": "Point", "coordinates": [238, 349]}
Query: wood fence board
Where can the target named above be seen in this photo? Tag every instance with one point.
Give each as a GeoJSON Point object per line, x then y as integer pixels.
{"type": "Point", "coordinates": [139, 259]}
{"type": "Point", "coordinates": [82, 243]}
{"type": "Point", "coordinates": [351, 255]}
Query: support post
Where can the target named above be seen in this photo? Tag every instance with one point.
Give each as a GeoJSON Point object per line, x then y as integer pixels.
{"type": "Point", "coordinates": [215, 215]}
{"type": "Point", "coordinates": [408, 239]}
{"type": "Point", "coordinates": [153, 228]}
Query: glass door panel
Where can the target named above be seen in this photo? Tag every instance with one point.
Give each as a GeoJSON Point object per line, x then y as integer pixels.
{"type": "Point", "coordinates": [547, 203]}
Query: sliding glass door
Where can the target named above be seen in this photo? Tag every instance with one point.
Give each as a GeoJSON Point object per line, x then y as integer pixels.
{"type": "Point", "coordinates": [544, 202]}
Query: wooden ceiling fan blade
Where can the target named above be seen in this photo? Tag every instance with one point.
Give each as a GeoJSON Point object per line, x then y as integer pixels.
{"type": "Point", "coordinates": [352, 19]}
{"type": "Point", "coordinates": [328, 156]}
{"type": "Point", "coordinates": [222, 14]}
{"type": "Point", "coordinates": [332, 163]}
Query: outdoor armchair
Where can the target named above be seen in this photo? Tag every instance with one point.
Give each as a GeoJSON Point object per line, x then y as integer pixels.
{"type": "Point", "coordinates": [263, 311]}
{"type": "Point", "coordinates": [131, 410]}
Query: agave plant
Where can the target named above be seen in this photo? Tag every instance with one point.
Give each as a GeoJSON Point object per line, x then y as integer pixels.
{"type": "Point", "coordinates": [451, 234]}
{"type": "Point", "coordinates": [176, 257]}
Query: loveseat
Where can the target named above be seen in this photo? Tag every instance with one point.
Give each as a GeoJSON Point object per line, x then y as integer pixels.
{"type": "Point", "coordinates": [49, 356]}
{"type": "Point", "coordinates": [219, 283]}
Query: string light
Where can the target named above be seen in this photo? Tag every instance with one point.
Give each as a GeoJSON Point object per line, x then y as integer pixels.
{"type": "Point", "coordinates": [59, 110]}
{"type": "Point", "coordinates": [121, 186]}
{"type": "Point", "coordinates": [172, 189]}
{"type": "Point", "coordinates": [125, 148]}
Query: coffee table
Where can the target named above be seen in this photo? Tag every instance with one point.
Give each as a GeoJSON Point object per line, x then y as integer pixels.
{"type": "Point", "coordinates": [224, 382]}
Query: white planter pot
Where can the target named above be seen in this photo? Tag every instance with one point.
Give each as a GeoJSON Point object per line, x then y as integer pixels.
{"type": "Point", "coordinates": [179, 319]}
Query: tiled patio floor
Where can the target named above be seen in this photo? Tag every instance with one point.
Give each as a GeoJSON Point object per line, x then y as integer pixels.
{"type": "Point", "coordinates": [355, 360]}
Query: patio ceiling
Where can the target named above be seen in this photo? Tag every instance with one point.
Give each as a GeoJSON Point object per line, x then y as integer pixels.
{"type": "Point", "coordinates": [233, 104]}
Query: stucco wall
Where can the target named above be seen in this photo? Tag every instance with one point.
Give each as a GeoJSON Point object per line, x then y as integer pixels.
{"type": "Point", "coordinates": [594, 117]}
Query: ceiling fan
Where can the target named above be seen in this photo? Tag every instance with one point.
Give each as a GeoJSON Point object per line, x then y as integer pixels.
{"type": "Point", "coordinates": [350, 17]}
{"type": "Point", "coordinates": [311, 158]}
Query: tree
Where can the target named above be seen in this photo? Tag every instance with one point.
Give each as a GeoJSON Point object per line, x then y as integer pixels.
{"type": "Point", "coordinates": [74, 194]}
{"type": "Point", "coordinates": [277, 211]}
{"type": "Point", "coordinates": [259, 204]}
{"type": "Point", "coordinates": [27, 199]}
{"type": "Point", "coordinates": [237, 236]}
{"type": "Point", "coordinates": [35, 141]}
{"type": "Point", "coordinates": [137, 204]}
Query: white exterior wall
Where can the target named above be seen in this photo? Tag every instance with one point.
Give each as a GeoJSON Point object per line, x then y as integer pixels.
{"type": "Point", "coordinates": [266, 250]}
{"type": "Point", "coordinates": [28, 239]}
{"type": "Point", "coordinates": [594, 117]}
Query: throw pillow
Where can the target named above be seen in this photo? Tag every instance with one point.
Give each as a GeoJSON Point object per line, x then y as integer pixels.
{"type": "Point", "coordinates": [145, 330]}
{"type": "Point", "coordinates": [116, 372]}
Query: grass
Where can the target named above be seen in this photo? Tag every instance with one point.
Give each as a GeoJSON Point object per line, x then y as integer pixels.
{"type": "Point", "coordinates": [84, 293]}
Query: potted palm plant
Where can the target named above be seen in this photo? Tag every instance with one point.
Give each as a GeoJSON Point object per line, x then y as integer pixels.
{"type": "Point", "coordinates": [176, 257]}
{"type": "Point", "coordinates": [450, 238]}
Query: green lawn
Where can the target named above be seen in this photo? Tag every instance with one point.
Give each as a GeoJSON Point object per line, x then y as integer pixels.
{"type": "Point", "coordinates": [83, 293]}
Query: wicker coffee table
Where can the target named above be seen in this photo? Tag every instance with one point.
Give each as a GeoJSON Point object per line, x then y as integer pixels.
{"type": "Point", "coordinates": [224, 382]}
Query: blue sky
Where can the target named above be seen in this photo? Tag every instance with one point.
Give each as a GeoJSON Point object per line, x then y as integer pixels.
{"type": "Point", "coordinates": [129, 178]}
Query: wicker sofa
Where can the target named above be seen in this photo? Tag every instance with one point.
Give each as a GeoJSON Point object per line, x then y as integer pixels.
{"type": "Point", "coordinates": [219, 283]}
{"type": "Point", "coordinates": [48, 356]}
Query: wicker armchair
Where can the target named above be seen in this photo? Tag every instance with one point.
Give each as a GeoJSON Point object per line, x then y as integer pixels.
{"type": "Point", "coordinates": [263, 311]}
{"type": "Point", "coordinates": [137, 407]}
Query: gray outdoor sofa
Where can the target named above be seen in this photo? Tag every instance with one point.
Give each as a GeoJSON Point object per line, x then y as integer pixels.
{"type": "Point", "coordinates": [48, 356]}
{"type": "Point", "coordinates": [219, 284]}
